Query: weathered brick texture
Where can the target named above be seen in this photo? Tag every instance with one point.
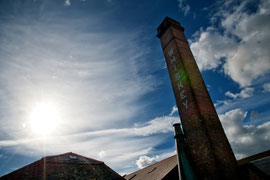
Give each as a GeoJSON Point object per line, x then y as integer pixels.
{"type": "Point", "coordinates": [210, 150]}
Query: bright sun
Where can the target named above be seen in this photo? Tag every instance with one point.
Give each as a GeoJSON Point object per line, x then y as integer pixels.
{"type": "Point", "coordinates": [44, 118]}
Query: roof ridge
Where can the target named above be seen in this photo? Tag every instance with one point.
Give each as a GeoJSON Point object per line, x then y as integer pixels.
{"type": "Point", "coordinates": [84, 157]}
{"type": "Point", "coordinates": [160, 161]}
{"type": "Point", "coordinates": [92, 159]}
{"type": "Point", "coordinates": [153, 164]}
{"type": "Point", "coordinates": [253, 157]}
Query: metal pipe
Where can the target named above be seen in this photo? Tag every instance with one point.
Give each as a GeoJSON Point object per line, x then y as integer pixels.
{"type": "Point", "coordinates": [178, 143]}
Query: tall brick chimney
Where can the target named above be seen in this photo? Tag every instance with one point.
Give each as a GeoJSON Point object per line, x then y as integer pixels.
{"type": "Point", "coordinates": [211, 153]}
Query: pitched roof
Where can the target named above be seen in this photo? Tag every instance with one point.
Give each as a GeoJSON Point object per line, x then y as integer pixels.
{"type": "Point", "coordinates": [263, 164]}
{"type": "Point", "coordinates": [65, 166]}
{"type": "Point", "coordinates": [161, 169]}
{"type": "Point", "coordinates": [155, 171]}
{"type": "Point", "coordinates": [261, 161]}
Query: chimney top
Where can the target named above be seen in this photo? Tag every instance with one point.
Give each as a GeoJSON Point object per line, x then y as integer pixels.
{"type": "Point", "coordinates": [166, 23]}
{"type": "Point", "coordinates": [176, 124]}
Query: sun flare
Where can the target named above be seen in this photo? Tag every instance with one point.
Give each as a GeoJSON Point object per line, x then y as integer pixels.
{"type": "Point", "coordinates": [44, 118]}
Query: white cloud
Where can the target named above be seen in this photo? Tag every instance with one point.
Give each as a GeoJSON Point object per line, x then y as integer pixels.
{"type": "Point", "coordinates": [144, 161]}
{"type": "Point", "coordinates": [244, 93]}
{"type": "Point", "coordinates": [67, 3]}
{"type": "Point", "coordinates": [157, 125]}
{"type": "Point", "coordinates": [266, 87]}
{"type": "Point", "coordinates": [243, 45]}
{"type": "Point", "coordinates": [229, 94]}
{"type": "Point", "coordinates": [245, 140]}
{"type": "Point", "coordinates": [184, 7]}
{"type": "Point", "coordinates": [210, 47]}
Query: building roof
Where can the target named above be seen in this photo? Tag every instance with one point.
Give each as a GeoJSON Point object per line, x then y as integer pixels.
{"type": "Point", "coordinates": [260, 161]}
{"type": "Point", "coordinates": [263, 164]}
{"type": "Point", "coordinates": [71, 157]}
{"type": "Point", "coordinates": [155, 171]}
{"type": "Point", "coordinates": [65, 166]}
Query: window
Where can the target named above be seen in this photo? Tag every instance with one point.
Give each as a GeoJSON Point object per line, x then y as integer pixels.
{"type": "Point", "coordinates": [72, 157]}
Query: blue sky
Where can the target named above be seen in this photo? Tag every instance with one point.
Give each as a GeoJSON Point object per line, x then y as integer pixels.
{"type": "Point", "coordinates": [89, 76]}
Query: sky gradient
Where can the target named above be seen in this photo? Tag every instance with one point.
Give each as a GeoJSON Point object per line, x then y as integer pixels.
{"type": "Point", "coordinates": [96, 70]}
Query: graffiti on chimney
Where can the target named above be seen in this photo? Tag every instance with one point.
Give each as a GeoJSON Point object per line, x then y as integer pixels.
{"type": "Point", "coordinates": [178, 78]}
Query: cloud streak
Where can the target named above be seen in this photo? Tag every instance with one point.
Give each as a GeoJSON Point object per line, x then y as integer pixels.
{"type": "Point", "coordinates": [245, 93]}
{"type": "Point", "coordinates": [86, 74]}
{"type": "Point", "coordinates": [117, 147]}
{"type": "Point", "coordinates": [94, 79]}
{"type": "Point", "coordinates": [184, 7]}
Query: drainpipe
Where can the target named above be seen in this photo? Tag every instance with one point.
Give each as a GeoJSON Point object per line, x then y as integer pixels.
{"type": "Point", "coordinates": [185, 169]}
{"type": "Point", "coordinates": [179, 143]}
